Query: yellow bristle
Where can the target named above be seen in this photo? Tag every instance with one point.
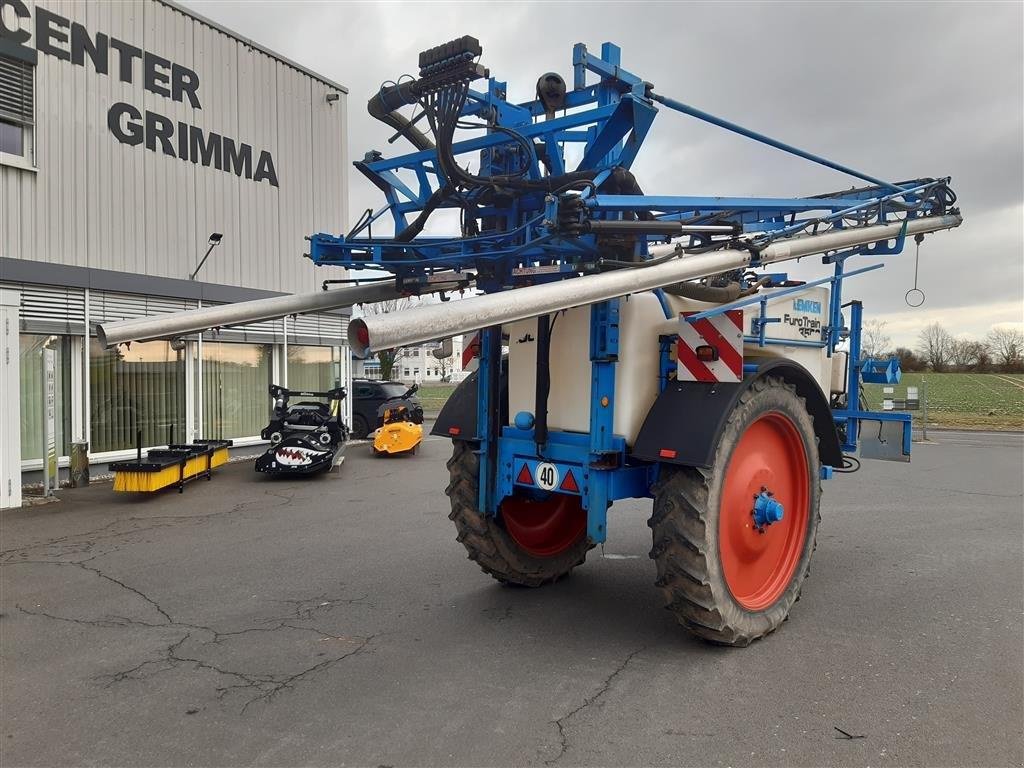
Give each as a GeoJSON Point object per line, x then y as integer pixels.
{"type": "Point", "coordinates": [145, 482]}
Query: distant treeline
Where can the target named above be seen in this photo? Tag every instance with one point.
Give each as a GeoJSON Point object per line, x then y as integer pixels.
{"type": "Point", "coordinates": [1001, 351]}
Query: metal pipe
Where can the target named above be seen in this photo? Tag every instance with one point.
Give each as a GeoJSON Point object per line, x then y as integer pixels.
{"type": "Point", "coordinates": [226, 315]}
{"type": "Point", "coordinates": [707, 117]}
{"type": "Point", "coordinates": [418, 324]}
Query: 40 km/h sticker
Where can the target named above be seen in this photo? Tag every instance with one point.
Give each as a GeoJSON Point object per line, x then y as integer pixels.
{"type": "Point", "coordinates": [547, 476]}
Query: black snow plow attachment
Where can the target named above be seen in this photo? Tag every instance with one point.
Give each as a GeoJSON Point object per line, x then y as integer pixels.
{"type": "Point", "coordinates": [305, 438]}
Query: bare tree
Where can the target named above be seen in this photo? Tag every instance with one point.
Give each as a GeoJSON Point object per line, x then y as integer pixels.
{"type": "Point", "coordinates": [935, 344]}
{"type": "Point", "coordinates": [446, 365]}
{"type": "Point", "coordinates": [874, 342]}
{"type": "Point", "coordinates": [387, 357]}
{"type": "Point", "coordinates": [965, 353]}
{"type": "Point", "coordinates": [1006, 346]}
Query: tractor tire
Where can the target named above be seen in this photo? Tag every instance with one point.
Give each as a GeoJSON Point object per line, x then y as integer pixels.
{"type": "Point", "coordinates": [486, 539]}
{"type": "Point", "coordinates": [725, 578]}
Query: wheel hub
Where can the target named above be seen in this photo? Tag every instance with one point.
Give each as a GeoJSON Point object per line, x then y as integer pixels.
{"type": "Point", "coordinates": [767, 510]}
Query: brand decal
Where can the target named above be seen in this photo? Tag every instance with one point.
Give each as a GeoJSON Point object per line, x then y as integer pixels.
{"type": "Point", "coordinates": [807, 305]}
{"type": "Point", "coordinates": [808, 326]}
{"type": "Point", "coordinates": [69, 41]}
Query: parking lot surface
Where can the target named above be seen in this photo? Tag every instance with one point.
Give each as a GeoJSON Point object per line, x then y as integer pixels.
{"type": "Point", "coordinates": [335, 621]}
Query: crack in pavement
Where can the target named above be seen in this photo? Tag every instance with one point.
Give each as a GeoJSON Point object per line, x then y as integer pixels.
{"type": "Point", "coordinates": [592, 699]}
{"type": "Point", "coordinates": [263, 686]}
{"type": "Point", "coordinates": [96, 571]}
{"type": "Point", "coordinates": [303, 609]}
{"type": "Point", "coordinates": [266, 686]}
{"type": "Point", "coordinates": [136, 525]}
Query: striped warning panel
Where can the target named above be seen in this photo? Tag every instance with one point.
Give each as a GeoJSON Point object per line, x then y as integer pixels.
{"type": "Point", "coordinates": [711, 348]}
{"type": "Point", "coordinates": [470, 351]}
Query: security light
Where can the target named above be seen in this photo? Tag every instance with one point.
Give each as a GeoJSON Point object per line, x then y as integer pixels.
{"type": "Point", "coordinates": [215, 238]}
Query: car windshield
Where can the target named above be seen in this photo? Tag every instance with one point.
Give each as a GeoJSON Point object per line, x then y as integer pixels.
{"type": "Point", "coordinates": [393, 390]}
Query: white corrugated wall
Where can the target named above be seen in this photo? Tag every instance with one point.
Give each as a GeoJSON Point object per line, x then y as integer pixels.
{"type": "Point", "coordinates": [96, 202]}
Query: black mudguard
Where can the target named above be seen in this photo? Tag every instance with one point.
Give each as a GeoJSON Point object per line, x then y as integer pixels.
{"type": "Point", "coordinates": [686, 421]}
{"type": "Point", "coordinates": [457, 419]}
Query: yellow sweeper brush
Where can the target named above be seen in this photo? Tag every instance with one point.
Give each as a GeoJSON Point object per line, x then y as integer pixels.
{"type": "Point", "coordinates": [174, 465]}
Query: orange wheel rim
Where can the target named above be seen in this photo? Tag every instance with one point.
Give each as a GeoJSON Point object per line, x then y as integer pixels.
{"type": "Point", "coordinates": [758, 564]}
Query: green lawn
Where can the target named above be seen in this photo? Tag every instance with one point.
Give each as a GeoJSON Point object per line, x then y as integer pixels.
{"type": "Point", "coordinates": [974, 400]}
{"type": "Point", "coordinates": [433, 396]}
{"type": "Point", "coordinates": [970, 400]}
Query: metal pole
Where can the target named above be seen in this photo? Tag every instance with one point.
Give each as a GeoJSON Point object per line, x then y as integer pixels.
{"type": "Point", "coordinates": [924, 398]}
{"type": "Point", "coordinates": [226, 315]}
{"type": "Point", "coordinates": [700, 114]}
{"type": "Point", "coordinates": [87, 377]}
{"type": "Point", "coordinates": [200, 431]}
{"type": "Point", "coordinates": [203, 261]}
{"type": "Point", "coordinates": [284, 356]}
{"type": "Point", "coordinates": [433, 321]}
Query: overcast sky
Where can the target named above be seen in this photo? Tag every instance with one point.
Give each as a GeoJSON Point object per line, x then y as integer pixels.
{"type": "Point", "coordinates": [898, 91]}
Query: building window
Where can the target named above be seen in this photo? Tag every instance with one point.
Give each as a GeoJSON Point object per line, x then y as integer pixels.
{"type": "Point", "coordinates": [234, 389]}
{"type": "Point", "coordinates": [32, 393]}
{"type": "Point", "coordinates": [312, 368]}
{"type": "Point", "coordinates": [136, 388]}
{"type": "Point", "coordinates": [17, 109]}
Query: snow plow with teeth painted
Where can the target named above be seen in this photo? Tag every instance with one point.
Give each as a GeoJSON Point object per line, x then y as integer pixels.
{"type": "Point", "coordinates": [305, 438]}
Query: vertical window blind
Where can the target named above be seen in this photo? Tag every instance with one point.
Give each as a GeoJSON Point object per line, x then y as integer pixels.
{"type": "Point", "coordinates": [138, 388]}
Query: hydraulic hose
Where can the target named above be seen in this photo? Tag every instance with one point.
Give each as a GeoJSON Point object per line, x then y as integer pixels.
{"type": "Point", "coordinates": [715, 294]}
{"type": "Point", "coordinates": [384, 106]}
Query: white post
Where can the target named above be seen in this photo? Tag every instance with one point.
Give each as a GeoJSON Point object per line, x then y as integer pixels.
{"type": "Point", "coordinates": [199, 385]}
{"type": "Point", "coordinates": [49, 384]}
{"type": "Point", "coordinates": [924, 404]}
{"type": "Point", "coordinates": [10, 399]}
{"type": "Point", "coordinates": [284, 354]}
{"type": "Point", "coordinates": [87, 378]}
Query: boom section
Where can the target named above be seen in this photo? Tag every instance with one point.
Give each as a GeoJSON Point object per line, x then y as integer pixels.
{"type": "Point", "coordinates": [552, 195]}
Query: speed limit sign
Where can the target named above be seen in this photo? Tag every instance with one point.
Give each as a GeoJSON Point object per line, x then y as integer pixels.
{"type": "Point", "coordinates": [547, 476]}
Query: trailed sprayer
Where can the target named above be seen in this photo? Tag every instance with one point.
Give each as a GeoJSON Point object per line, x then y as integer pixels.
{"type": "Point", "coordinates": [626, 345]}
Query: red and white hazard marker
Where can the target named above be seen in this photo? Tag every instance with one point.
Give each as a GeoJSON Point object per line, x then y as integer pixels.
{"type": "Point", "coordinates": [470, 351]}
{"type": "Point", "coordinates": [710, 349]}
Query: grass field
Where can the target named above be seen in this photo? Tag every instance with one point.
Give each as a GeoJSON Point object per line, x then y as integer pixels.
{"type": "Point", "coordinates": [971, 400]}
{"type": "Point", "coordinates": [967, 400]}
{"type": "Point", "coordinates": [433, 396]}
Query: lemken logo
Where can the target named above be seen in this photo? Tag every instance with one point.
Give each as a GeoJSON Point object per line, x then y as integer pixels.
{"type": "Point", "coordinates": [806, 305]}
{"type": "Point", "coordinates": [69, 41]}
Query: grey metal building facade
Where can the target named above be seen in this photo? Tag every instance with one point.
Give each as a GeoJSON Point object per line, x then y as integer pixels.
{"type": "Point", "coordinates": [130, 132]}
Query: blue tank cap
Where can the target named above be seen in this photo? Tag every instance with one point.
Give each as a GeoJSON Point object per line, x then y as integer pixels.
{"type": "Point", "coordinates": [524, 420]}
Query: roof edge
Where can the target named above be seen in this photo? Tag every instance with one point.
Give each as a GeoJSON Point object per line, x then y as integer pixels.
{"type": "Point", "coordinates": [173, 4]}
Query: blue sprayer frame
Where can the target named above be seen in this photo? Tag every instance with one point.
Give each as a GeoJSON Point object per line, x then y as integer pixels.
{"type": "Point", "coordinates": [523, 245]}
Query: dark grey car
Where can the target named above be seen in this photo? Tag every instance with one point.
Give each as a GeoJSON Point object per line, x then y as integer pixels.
{"type": "Point", "coordinates": [367, 396]}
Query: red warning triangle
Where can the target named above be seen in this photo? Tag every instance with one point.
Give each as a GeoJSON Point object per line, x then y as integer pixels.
{"type": "Point", "coordinates": [524, 476]}
{"type": "Point", "coordinates": [569, 483]}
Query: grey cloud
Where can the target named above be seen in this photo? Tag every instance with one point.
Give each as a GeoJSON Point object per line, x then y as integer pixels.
{"type": "Point", "coordinates": [899, 90]}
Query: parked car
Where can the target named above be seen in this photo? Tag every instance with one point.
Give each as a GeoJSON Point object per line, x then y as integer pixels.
{"type": "Point", "coordinates": [368, 396]}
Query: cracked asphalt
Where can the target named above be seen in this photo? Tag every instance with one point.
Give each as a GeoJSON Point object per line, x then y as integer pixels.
{"type": "Point", "coordinates": [335, 621]}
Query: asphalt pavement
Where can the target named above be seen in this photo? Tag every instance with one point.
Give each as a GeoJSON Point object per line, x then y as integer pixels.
{"type": "Point", "coordinates": [336, 621]}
